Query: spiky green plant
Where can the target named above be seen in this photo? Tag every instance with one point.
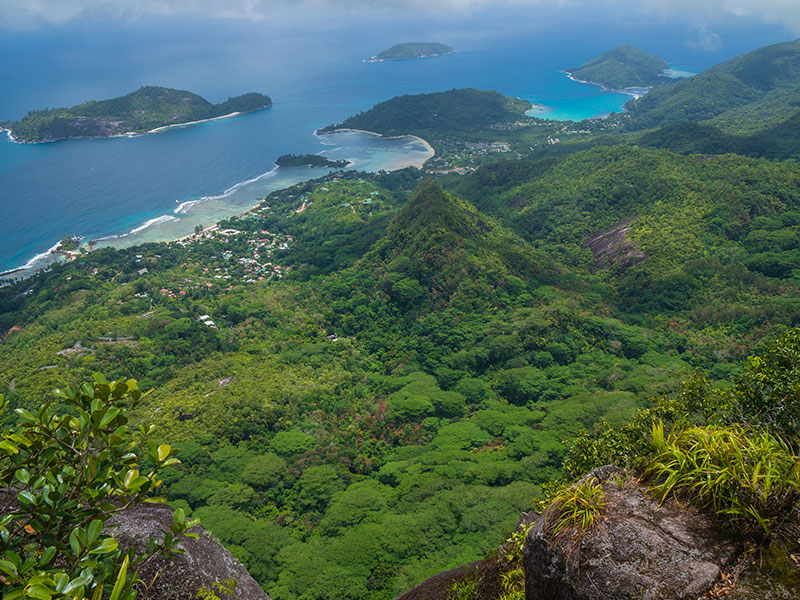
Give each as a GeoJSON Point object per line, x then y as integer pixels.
{"type": "Point", "coordinates": [571, 514]}
{"type": "Point", "coordinates": [513, 585]}
{"type": "Point", "coordinates": [465, 588]}
{"type": "Point", "coordinates": [748, 477]}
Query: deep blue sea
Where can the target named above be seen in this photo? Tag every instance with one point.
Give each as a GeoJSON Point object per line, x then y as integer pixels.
{"type": "Point", "coordinates": [311, 65]}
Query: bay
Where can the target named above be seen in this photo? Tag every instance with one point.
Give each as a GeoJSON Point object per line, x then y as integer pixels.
{"type": "Point", "coordinates": [311, 65]}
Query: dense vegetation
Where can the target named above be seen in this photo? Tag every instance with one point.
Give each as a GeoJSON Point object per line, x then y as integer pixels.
{"type": "Point", "coordinates": [412, 50]}
{"type": "Point", "coordinates": [742, 95]}
{"type": "Point", "coordinates": [456, 110]}
{"type": "Point", "coordinates": [64, 475]}
{"type": "Point", "coordinates": [368, 377]}
{"type": "Point", "coordinates": [147, 108]}
{"type": "Point", "coordinates": [419, 367]}
{"type": "Point", "coordinates": [309, 160]}
{"type": "Point", "coordinates": [622, 67]}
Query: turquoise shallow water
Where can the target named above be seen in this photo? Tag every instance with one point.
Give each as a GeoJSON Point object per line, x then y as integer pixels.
{"type": "Point", "coordinates": [314, 72]}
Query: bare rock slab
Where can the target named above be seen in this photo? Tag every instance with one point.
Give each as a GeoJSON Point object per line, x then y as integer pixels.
{"type": "Point", "coordinates": [204, 562]}
{"type": "Point", "coordinates": [636, 550]}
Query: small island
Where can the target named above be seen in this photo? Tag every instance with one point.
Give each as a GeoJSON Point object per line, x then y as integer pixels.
{"type": "Point", "coordinates": [310, 160]}
{"type": "Point", "coordinates": [412, 50]}
{"type": "Point", "coordinates": [147, 110]}
{"type": "Point", "coordinates": [623, 67]}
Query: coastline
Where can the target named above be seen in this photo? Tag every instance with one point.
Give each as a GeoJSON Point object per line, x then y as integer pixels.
{"type": "Point", "coordinates": [416, 164]}
{"type": "Point", "coordinates": [628, 91]}
{"type": "Point", "coordinates": [131, 134]}
{"type": "Point", "coordinates": [45, 259]}
{"type": "Point", "coordinates": [375, 59]}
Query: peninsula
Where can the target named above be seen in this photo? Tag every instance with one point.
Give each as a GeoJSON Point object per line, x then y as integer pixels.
{"type": "Point", "coordinates": [623, 67]}
{"type": "Point", "coordinates": [412, 50]}
{"type": "Point", "coordinates": [310, 160]}
{"type": "Point", "coordinates": [147, 110]}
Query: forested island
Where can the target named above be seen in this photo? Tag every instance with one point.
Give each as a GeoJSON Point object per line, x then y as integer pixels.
{"type": "Point", "coordinates": [412, 50]}
{"type": "Point", "coordinates": [623, 67]}
{"type": "Point", "coordinates": [148, 108]}
{"type": "Point", "coordinates": [310, 160]}
{"type": "Point", "coordinates": [452, 111]}
{"type": "Point", "coordinates": [369, 376]}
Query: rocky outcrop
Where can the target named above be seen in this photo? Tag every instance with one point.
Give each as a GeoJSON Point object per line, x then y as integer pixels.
{"type": "Point", "coordinates": [485, 573]}
{"type": "Point", "coordinates": [636, 550]}
{"type": "Point", "coordinates": [203, 563]}
{"type": "Point", "coordinates": [179, 577]}
{"type": "Point", "coordinates": [612, 248]}
{"type": "Point", "coordinates": [439, 587]}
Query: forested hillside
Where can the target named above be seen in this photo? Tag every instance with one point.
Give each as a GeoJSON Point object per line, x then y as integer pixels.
{"type": "Point", "coordinates": [404, 388]}
{"type": "Point", "coordinates": [461, 111]}
{"type": "Point", "coordinates": [368, 377]}
{"type": "Point", "coordinates": [621, 67]}
{"type": "Point", "coordinates": [147, 108]}
{"type": "Point", "coordinates": [742, 95]}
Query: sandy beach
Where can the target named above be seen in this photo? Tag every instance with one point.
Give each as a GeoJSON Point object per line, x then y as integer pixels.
{"type": "Point", "coordinates": [401, 164]}
{"type": "Point", "coordinates": [165, 127]}
{"type": "Point", "coordinates": [636, 92]}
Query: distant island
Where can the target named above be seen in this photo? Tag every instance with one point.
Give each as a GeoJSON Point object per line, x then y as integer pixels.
{"type": "Point", "coordinates": [310, 160]}
{"type": "Point", "coordinates": [412, 50]}
{"type": "Point", "coordinates": [623, 67]}
{"type": "Point", "coordinates": [147, 110]}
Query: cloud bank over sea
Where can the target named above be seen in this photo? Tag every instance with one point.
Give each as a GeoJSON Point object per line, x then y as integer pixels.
{"type": "Point", "coordinates": [701, 14]}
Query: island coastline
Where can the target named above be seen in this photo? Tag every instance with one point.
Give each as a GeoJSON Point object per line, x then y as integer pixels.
{"type": "Point", "coordinates": [629, 91]}
{"type": "Point", "coordinates": [425, 143]}
{"type": "Point", "coordinates": [375, 59]}
{"type": "Point", "coordinates": [29, 269]}
{"type": "Point", "coordinates": [132, 134]}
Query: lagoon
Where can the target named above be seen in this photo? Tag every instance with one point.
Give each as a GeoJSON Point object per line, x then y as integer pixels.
{"type": "Point", "coordinates": [154, 187]}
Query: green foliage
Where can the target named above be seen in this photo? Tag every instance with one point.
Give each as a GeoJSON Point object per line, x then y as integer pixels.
{"type": "Point", "coordinates": [309, 160]}
{"type": "Point", "coordinates": [624, 66]}
{"type": "Point", "coordinates": [226, 587]}
{"type": "Point", "coordinates": [512, 584]}
{"type": "Point", "coordinates": [455, 110]}
{"type": "Point", "coordinates": [744, 94]}
{"type": "Point", "coordinates": [413, 50]}
{"type": "Point", "coordinates": [570, 515]}
{"type": "Point", "coordinates": [64, 475]}
{"type": "Point", "coordinates": [767, 393]}
{"type": "Point", "coordinates": [465, 588]}
{"type": "Point", "coordinates": [296, 418]}
{"type": "Point", "coordinates": [750, 479]}
{"type": "Point", "coordinates": [147, 108]}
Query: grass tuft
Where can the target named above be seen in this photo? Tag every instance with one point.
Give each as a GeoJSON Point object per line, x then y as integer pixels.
{"type": "Point", "coordinates": [571, 515]}
{"type": "Point", "coordinates": [747, 478]}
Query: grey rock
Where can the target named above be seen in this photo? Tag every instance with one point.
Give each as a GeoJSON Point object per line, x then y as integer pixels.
{"type": "Point", "coordinates": [179, 577]}
{"type": "Point", "coordinates": [637, 550]}
{"type": "Point", "coordinates": [203, 563]}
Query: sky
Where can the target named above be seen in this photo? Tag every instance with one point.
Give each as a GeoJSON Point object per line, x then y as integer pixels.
{"type": "Point", "coordinates": [701, 16]}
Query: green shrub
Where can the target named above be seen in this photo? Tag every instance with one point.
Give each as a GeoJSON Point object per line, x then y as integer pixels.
{"type": "Point", "coordinates": [749, 478]}
{"type": "Point", "coordinates": [65, 470]}
{"type": "Point", "coordinates": [571, 514]}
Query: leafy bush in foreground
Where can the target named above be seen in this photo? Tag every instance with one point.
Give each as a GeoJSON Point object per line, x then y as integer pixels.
{"type": "Point", "coordinates": [64, 474]}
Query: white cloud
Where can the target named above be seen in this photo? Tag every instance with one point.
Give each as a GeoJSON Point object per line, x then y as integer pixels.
{"type": "Point", "coordinates": [30, 13]}
{"type": "Point", "coordinates": [705, 39]}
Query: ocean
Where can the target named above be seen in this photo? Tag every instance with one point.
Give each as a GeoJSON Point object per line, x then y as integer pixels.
{"type": "Point", "coordinates": [153, 187]}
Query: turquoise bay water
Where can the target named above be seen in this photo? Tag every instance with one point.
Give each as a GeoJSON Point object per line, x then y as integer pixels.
{"type": "Point", "coordinates": [313, 70]}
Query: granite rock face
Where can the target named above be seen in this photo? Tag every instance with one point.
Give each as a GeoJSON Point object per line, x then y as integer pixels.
{"type": "Point", "coordinates": [204, 562]}
{"type": "Point", "coordinates": [486, 572]}
{"type": "Point", "coordinates": [636, 550]}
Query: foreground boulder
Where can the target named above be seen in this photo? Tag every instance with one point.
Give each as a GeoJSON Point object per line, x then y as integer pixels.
{"type": "Point", "coordinates": [635, 550]}
{"type": "Point", "coordinates": [204, 563]}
